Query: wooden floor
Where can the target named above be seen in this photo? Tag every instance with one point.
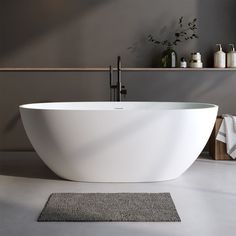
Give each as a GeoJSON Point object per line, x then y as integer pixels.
{"type": "Point", "coordinates": [205, 197]}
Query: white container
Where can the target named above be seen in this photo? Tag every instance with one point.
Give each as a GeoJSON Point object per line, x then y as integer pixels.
{"type": "Point", "coordinates": [183, 63]}
{"type": "Point", "coordinates": [195, 64]}
{"type": "Point", "coordinates": [195, 61]}
{"type": "Point", "coordinates": [196, 56]}
{"type": "Point", "coordinates": [119, 141]}
{"type": "Point", "coordinates": [231, 57]}
{"type": "Point", "coordinates": [219, 58]}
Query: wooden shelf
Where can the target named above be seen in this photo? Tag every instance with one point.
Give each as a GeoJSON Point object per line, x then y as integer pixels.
{"type": "Point", "coordinates": [107, 69]}
{"type": "Point", "coordinates": [179, 69]}
{"type": "Point", "coordinates": [52, 69]}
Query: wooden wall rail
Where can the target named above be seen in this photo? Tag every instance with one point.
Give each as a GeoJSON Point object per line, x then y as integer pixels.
{"type": "Point", "coordinates": [9, 69]}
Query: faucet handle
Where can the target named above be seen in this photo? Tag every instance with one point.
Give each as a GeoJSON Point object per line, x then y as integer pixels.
{"type": "Point", "coordinates": [123, 90]}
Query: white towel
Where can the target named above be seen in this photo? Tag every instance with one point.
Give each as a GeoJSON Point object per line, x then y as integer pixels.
{"type": "Point", "coordinates": [227, 134]}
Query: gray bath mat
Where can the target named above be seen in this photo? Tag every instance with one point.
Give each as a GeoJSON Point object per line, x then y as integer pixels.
{"type": "Point", "coordinates": [94, 207]}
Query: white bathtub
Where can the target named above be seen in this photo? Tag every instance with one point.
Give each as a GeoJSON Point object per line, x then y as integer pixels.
{"type": "Point", "coordinates": [118, 141]}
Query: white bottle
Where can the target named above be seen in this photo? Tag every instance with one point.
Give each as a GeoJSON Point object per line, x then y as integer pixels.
{"type": "Point", "coordinates": [219, 58]}
{"type": "Point", "coordinates": [231, 57]}
{"type": "Point", "coordinates": [183, 63]}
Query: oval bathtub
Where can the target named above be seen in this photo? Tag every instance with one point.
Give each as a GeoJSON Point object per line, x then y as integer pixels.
{"type": "Point", "coordinates": [118, 141]}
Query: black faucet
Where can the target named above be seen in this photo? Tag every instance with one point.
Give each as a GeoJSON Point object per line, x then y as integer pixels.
{"type": "Point", "coordinates": [120, 89]}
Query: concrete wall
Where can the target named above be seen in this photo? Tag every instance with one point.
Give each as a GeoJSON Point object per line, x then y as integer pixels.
{"type": "Point", "coordinates": [91, 33]}
{"type": "Point", "coordinates": [19, 88]}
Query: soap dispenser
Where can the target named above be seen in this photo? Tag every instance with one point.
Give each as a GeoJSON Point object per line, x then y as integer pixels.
{"type": "Point", "coordinates": [231, 57]}
{"type": "Point", "coordinates": [219, 58]}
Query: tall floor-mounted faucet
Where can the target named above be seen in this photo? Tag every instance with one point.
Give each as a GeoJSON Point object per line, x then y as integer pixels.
{"type": "Point", "coordinates": [117, 90]}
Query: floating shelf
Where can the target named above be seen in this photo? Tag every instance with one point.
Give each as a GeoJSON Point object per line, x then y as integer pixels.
{"type": "Point", "coordinates": [179, 69]}
{"type": "Point", "coordinates": [107, 69]}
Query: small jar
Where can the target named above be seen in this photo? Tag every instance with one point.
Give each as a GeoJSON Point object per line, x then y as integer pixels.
{"type": "Point", "coordinates": [195, 64]}
{"type": "Point", "coordinates": [196, 60]}
{"type": "Point", "coordinates": [196, 56]}
{"type": "Point", "coordinates": [183, 63]}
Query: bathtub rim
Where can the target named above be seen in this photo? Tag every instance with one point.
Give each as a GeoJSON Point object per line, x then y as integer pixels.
{"type": "Point", "coordinates": [170, 106]}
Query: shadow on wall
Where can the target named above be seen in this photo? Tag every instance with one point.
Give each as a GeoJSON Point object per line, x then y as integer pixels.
{"type": "Point", "coordinates": [23, 21]}
{"type": "Point", "coordinates": [217, 25]}
{"type": "Point", "coordinates": [74, 33]}
{"type": "Point", "coordinates": [77, 33]}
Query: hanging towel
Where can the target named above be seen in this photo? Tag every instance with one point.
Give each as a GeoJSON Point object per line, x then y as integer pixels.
{"type": "Point", "coordinates": [227, 134]}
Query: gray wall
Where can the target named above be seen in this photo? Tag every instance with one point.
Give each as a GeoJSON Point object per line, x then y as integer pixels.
{"type": "Point", "coordinates": [19, 88]}
{"type": "Point", "coordinates": [91, 33]}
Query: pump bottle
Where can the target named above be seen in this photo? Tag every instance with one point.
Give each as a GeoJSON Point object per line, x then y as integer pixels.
{"type": "Point", "coordinates": [231, 57]}
{"type": "Point", "coordinates": [219, 58]}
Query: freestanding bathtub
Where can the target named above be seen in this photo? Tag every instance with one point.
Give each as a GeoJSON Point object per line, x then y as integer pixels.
{"type": "Point", "coordinates": [118, 141]}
